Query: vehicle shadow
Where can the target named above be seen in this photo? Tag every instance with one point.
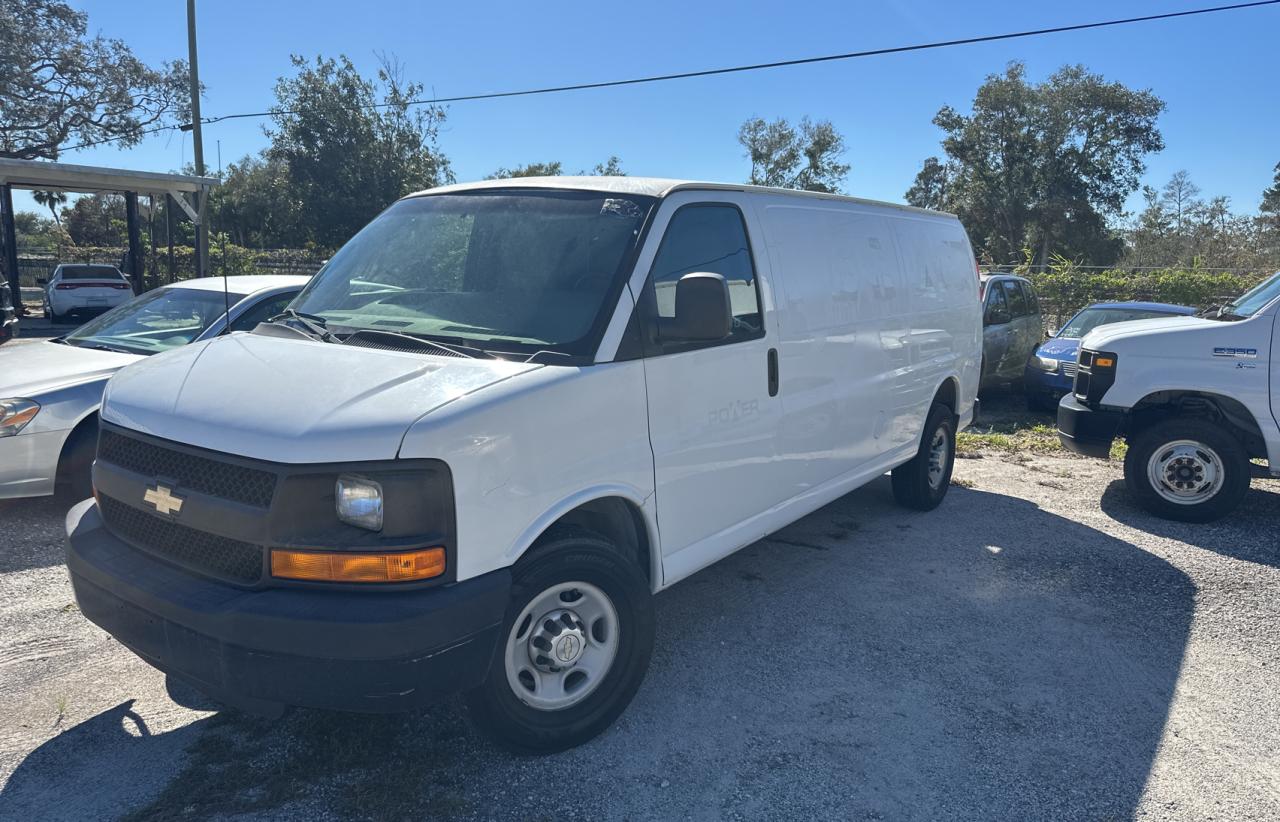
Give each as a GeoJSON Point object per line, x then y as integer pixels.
{"type": "Point", "coordinates": [1247, 533]}
{"type": "Point", "coordinates": [988, 659]}
{"type": "Point", "coordinates": [32, 533]}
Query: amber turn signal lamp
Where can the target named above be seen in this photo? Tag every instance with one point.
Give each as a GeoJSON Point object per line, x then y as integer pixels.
{"type": "Point", "coordinates": [1104, 362]}
{"type": "Point", "coordinates": [340, 566]}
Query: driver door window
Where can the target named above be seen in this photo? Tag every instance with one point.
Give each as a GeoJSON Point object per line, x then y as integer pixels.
{"type": "Point", "coordinates": [706, 238]}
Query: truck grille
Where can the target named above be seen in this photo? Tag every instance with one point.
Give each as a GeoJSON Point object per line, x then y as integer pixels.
{"type": "Point", "coordinates": [1069, 368]}
{"type": "Point", "coordinates": [227, 559]}
{"type": "Point", "coordinates": [226, 480]}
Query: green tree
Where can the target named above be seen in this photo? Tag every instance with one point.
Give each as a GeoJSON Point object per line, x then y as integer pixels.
{"type": "Point", "coordinates": [1271, 200]}
{"type": "Point", "coordinates": [609, 168]}
{"type": "Point", "coordinates": [252, 206]}
{"type": "Point", "coordinates": [52, 200]}
{"type": "Point", "coordinates": [97, 219]}
{"type": "Point", "coordinates": [1043, 166]}
{"type": "Point", "coordinates": [58, 85]}
{"type": "Point", "coordinates": [350, 146]}
{"type": "Point", "coordinates": [551, 169]}
{"type": "Point", "coordinates": [806, 158]}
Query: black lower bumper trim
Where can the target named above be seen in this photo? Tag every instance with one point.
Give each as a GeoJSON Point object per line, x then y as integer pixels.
{"type": "Point", "coordinates": [1085, 430]}
{"type": "Point", "coordinates": [369, 651]}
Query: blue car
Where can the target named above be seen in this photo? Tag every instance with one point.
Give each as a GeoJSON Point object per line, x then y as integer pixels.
{"type": "Point", "coordinates": [1051, 368]}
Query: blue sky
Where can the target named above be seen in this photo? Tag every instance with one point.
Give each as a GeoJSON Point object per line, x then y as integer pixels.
{"type": "Point", "coordinates": [1217, 73]}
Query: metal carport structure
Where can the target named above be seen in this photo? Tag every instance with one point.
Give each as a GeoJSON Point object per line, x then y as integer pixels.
{"type": "Point", "coordinates": [189, 192]}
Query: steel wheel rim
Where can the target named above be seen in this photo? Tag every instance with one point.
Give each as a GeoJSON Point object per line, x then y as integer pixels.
{"type": "Point", "coordinates": [938, 457]}
{"type": "Point", "coordinates": [562, 646]}
{"type": "Point", "coordinates": [1185, 472]}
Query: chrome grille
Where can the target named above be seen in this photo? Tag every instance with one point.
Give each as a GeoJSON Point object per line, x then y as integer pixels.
{"type": "Point", "coordinates": [1069, 368]}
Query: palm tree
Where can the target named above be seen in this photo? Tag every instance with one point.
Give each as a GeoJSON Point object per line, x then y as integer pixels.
{"type": "Point", "coordinates": [50, 200]}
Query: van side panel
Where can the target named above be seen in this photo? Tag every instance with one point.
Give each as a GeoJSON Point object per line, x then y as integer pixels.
{"type": "Point", "coordinates": [837, 274]}
{"type": "Point", "coordinates": [877, 307]}
{"type": "Point", "coordinates": [944, 336]}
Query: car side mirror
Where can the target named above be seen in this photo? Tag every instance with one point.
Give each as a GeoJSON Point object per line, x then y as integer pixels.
{"type": "Point", "coordinates": [702, 309]}
{"type": "Point", "coordinates": [42, 281]}
{"type": "Point", "coordinates": [1050, 333]}
{"type": "Point", "coordinates": [997, 316]}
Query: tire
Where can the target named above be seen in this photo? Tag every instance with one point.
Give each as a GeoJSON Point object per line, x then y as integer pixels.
{"type": "Point", "coordinates": [504, 706]}
{"type": "Point", "coordinates": [1188, 469]}
{"type": "Point", "coordinates": [915, 485]}
{"type": "Point", "coordinates": [75, 466]}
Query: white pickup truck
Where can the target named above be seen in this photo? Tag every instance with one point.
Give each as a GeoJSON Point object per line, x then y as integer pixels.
{"type": "Point", "coordinates": [1197, 399]}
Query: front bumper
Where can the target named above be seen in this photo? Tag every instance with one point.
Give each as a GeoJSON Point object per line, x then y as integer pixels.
{"type": "Point", "coordinates": [356, 650]}
{"type": "Point", "coordinates": [29, 463]}
{"type": "Point", "coordinates": [1049, 383]}
{"type": "Point", "coordinates": [1085, 430]}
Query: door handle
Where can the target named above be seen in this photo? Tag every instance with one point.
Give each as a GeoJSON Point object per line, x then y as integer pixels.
{"type": "Point", "coordinates": [773, 372]}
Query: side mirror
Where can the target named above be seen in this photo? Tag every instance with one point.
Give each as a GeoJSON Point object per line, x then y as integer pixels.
{"type": "Point", "coordinates": [997, 316]}
{"type": "Point", "coordinates": [702, 309]}
{"type": "Point", "coordinates": [1050, 333]}
{"type": "Point", "coordinates": [42, 281]}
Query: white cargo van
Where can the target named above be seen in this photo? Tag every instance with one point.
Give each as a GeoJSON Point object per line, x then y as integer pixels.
{"type": "Point", "coordinates": [1197, 399]}
{"type": "Point", "coordinates": [500, 419]}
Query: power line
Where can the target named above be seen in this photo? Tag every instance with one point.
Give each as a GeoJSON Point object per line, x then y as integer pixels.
{"type": "Point", "coordinates": [801, 61]}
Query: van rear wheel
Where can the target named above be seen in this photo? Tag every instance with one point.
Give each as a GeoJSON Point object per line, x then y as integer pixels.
{"type": "Point", "coordinates": [922, 483]}
{"type": "Point", "coordinates": [574, 647]}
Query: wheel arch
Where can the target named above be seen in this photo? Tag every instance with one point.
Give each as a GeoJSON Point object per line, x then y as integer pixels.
{"type": "Point", "coordinates": [948, 393]}
{"type": "Point", "coordinates": [1161, 405]}
{"type": "Point", "coordinates": [616, 512]}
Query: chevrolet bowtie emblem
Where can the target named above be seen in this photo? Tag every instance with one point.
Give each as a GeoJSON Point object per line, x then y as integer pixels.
{"type": "Point", "coordinates": [163, 499]}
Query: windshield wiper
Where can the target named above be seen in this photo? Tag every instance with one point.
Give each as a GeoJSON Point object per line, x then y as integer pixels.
{"type": "Point", "coordinates": [470, 352]}
{"type": "Point", "coordinates": [312, 322]}
{"type": "Point", "coordinates": [101, 347]}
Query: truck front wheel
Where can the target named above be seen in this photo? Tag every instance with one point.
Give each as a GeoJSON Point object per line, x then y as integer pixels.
{"type": "Point", "coordinates": [1190, 470]}
{"type": "Point", "coordinates": [574, 647]}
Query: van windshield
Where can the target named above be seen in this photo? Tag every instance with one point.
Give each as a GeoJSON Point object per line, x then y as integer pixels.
{"type": "Point", "coordinates": [1252, 301]}
{"type": "Point", "coordinates": [506, 270]}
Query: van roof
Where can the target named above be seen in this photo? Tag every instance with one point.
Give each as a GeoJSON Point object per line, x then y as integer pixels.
{"type": "Point", "coordinates": [653, 187]}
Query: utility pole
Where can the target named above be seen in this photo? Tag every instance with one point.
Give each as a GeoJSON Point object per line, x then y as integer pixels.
{"type": "Point", "coordinates": [197, 139]}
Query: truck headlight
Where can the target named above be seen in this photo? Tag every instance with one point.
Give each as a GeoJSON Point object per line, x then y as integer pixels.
{"type": "Point", "coordinates": [359, 502]}
{"type": "Point", "coordinates": [15, 414]}
{"type": "Point", "coordinates": [1045, 363]}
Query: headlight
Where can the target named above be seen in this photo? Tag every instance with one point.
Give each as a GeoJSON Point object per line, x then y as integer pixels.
{"type": "Point", "coordinates": [1045, 363]}
{"type": "Point", "coordinates": [359, 502]}
{"type": "Point", "coordinates": [15, 414]}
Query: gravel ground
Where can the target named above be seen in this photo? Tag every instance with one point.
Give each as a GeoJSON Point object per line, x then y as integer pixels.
{"type": "Point", "coordinates": [1035, 648]}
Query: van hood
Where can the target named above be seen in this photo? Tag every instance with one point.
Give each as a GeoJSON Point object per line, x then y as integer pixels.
{"type": "Point", "coordinates": [32, 369]}
{"type": "Point", "coordinates": [1144, 331]}
{"type": "Point", "coordinates": [293, 401]}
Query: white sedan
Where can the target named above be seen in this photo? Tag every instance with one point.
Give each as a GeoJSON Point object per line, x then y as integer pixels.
{"type": "Point", "coordinates": [50, 391]}
{"type": "Point", "coordinates": [84, 287]}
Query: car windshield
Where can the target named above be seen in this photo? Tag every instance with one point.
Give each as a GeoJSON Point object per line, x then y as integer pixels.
{"type": "Point", "coordinates": [91, 272]}
{"type": "Point", "coordinates": [507, 270]}
{"type": "Point", "coordinates": [157, 321]}
{"type": "Point", "coordinates": [1252, 301]}
{"type": "Point", "coordinates": [1091, 318]}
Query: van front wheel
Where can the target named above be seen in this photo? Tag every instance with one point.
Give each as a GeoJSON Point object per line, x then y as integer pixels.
{"type": "Point", "coordinates": [923, 482]}
{"type": "Point", "coordinates": [574, 647]}
{"type": "Point", "coordinates": [1187, 469]}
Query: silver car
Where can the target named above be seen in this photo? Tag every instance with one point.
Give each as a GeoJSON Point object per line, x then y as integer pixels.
{"type": "Point", "coordinates": [1012, 327]}
{"type": "Point", "coordinates": [50, 390]}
